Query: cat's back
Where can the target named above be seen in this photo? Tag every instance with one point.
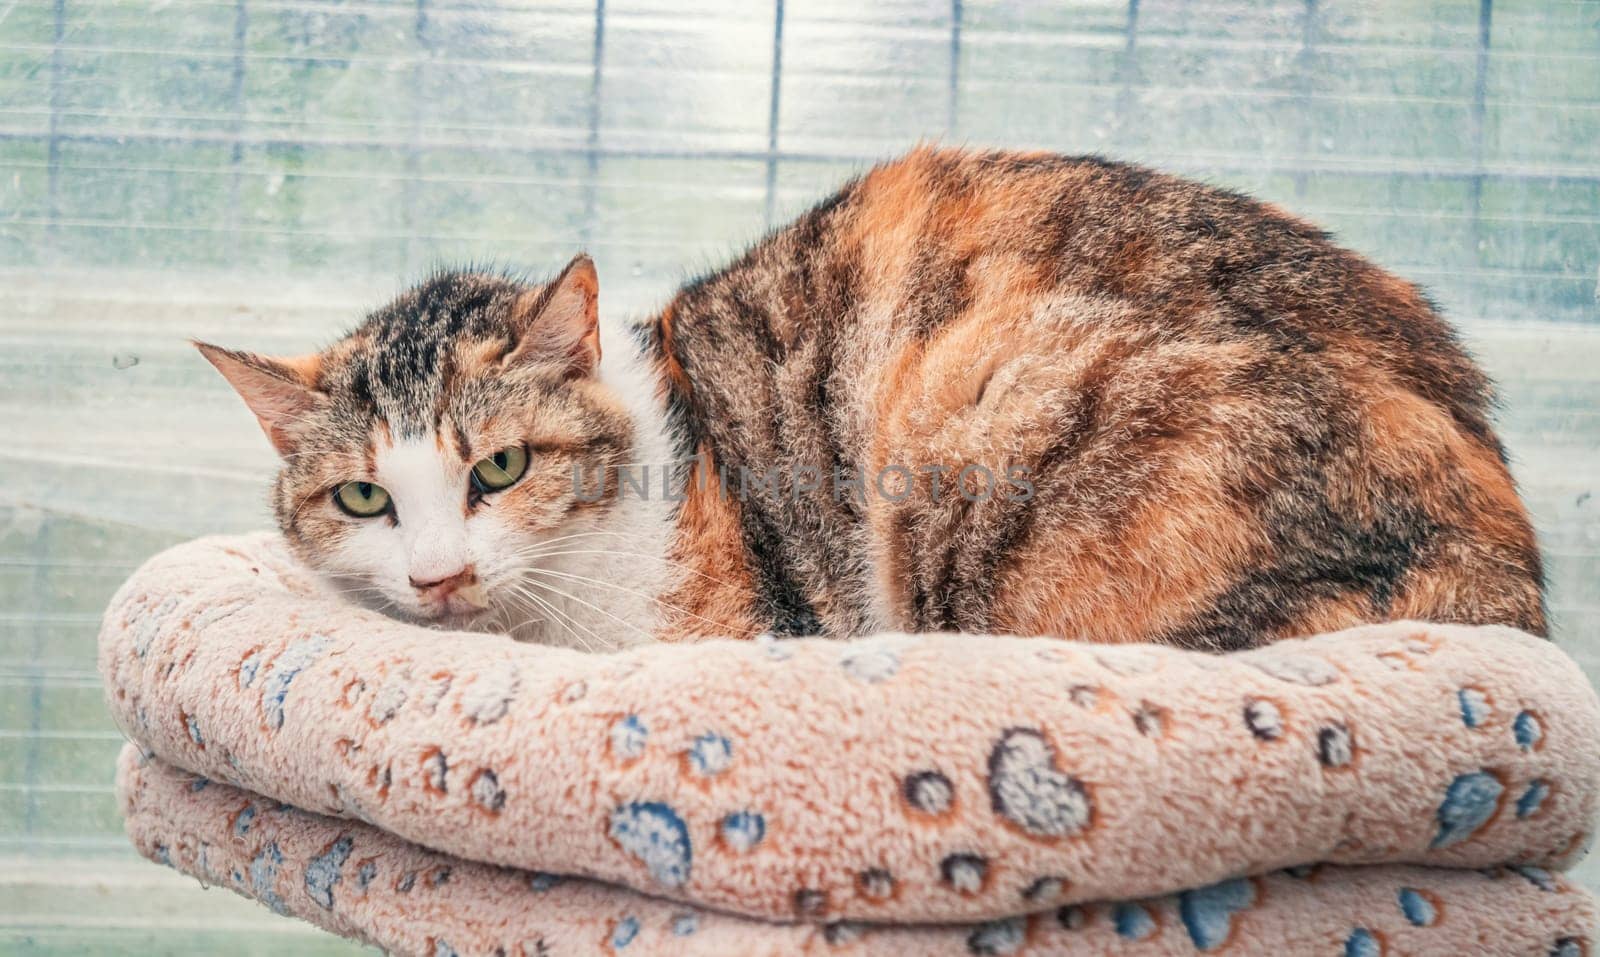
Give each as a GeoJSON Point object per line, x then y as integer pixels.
{"type": "Point", "coordinates": [1190, 379]}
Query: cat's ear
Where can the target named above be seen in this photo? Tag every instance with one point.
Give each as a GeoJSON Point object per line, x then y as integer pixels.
{"type": "Point", "coordinates": [560, 322]}
{"type": "Point", "coordinates": [278, 391]}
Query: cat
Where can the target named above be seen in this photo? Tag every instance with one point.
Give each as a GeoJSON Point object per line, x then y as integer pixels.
{"type": "Point", "coordinates": [995, 392]}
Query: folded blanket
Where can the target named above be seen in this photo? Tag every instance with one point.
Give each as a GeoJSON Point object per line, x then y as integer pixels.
{"type": "Point", "coordinates": [360, 882]}
{"type": "Point", "coordinates": [894, 779]}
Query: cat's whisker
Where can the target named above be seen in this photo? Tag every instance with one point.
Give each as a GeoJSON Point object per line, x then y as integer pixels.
{"type": "Point", "coordinates": [536, 551]}
{"type": "Point", "coordinates": [571, 597]}
{"type": "Point", "coordinates": [644, 555]}
{"type": "Point", "coordinates": [567, 621]}
{"type": "Point", "coordinates": [523, 611]}
{"type": "Point", "coordinates": [724, 628]}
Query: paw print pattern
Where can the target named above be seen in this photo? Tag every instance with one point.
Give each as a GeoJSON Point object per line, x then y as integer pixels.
{"type": "Point", "coordinates": [1150, 720]}
{"type": "Point", "coordinates": [876, 883]}
{"type": "Point", "coordinates": [1072, 917]}
{"type": "Point", "coordinates": [1363, 943]}
{"type": "Point", "coordinates": [435, 771]}
{"type": "Point", "coordinates": [929, 792]}
{"type": "Point", "coordinates": [809, 902]}
{"type": "Point", "coordinates": [628, 737]}
{"type": "Point", "coordinates": [991, 848]}
{"type": "Point", "coordinates": [1208, 912]}
{"type": "Point", "coordinates": [842, 932]}
{"type": "Point", "coordinates": [625, 931]}
{"type": "Point", "coordinates": [488, 698]}
{"type": "Point", "coordinates": [710, 755]}
{"type": "Point", "coordinates": [324, 872]}
{"type": "Point", "coordinates": [1470, 802]}
{"type": "Point", "coordinates": [387, 700]}
{"type": "Point", "coordinates": [653, 833]}
{"type": "Point", "coordinates": [281, 674]}
{"type": "Point", "coordinates": [871, 665]}
{"type": "Point", "coordinates": [1133, 921]}
{"type": "Point", "coordinates": [1528, 730]}
{"type": "Point", "coordinates": [1044, 889]}
{"type": "Point", "coordinates": [1474, 706]}
{"type": "Point", "coordinates": [1538, 877]}
{"type": "Point", "coordinates": [965, 874]}
{"type": "Point", "coordinates": [743, 830]}
{"type": "Point", "coordinates": [1419, 908]}
{"type": "Point", "coordinates": [249, 667]}
{"type": "Point", "coordinates": [486, 791]}
{"type": "Point", "coordinates": [1029, 791]}
{"type": "Point", "coordinates": [1532, 799]}
{"type": "Point", "coordinates": [264, 877]}
{"type": "Point", "coordinates": [998, 937]}
{"type": "Point", "coordinates": [1264, 719]}
{"type": "Point", "coordinates": [1335, 749]}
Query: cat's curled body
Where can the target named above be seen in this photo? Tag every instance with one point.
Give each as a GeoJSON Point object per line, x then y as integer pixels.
{"type": "Point", "coordinates": [1189, 417]}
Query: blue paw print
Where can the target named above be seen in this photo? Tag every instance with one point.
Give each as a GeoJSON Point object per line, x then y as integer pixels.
{"type": "Point", "coordinates": [282, 672]}
{"type": "Point", "coordinates": [626, 930]}
{"type": "Point", "coordinates": [1528, 730]}
{"type": "Point", "coordinates": [998, 937]}
{"type": "Point", "coordinates": [1474, 707]}
{"type": "Point", "coordinates": [1133, 921]}
{"type": "Point", "coordinates": [1469, 803]}
{"type": "Point", "coordinates": [323, 871]}
{"type": "Point", "coordinates": [1532, 798]}
{"type": "Point", "coordinates": [1207, 912]}
{"type": "Point", "coordinates": [743, 830]}
{"type": "Point", "coordinates": [1538, 877]}
{"type": "Point", "coordinates": [1362, 943]}
{"type": "Point", "coordinates": [1417, 907]}
{"type": "Point", "coordinates": [657, 836]}
{"type": "Point", "coordinates": [628, 737]}
{"type": "Point", "coordinates": [710, 754]}
{"type": "Point", "coordinates": [870, 665]}
{"type": "Point", "coordinates": [264, 877]}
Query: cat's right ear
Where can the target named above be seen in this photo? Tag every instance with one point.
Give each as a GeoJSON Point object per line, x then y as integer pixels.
{"type": "Point", "coordinates": [278, 391]}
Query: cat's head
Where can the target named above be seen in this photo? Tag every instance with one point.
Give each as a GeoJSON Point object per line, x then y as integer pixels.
{"type": "Point", "coordinates": [429, 456]}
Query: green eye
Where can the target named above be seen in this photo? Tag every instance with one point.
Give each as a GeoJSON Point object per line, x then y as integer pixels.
{"type": "Point", "coordinates": [500, 470]}
{"type": "Point", "coordinates": [362, 499]}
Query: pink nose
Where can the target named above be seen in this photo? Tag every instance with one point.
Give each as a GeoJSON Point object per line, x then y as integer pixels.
{"type": "Point", "coordinates": [442, 588]}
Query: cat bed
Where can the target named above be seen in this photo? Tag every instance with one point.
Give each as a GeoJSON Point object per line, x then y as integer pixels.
{"type": "Point", "coordinates": [1397, 789]}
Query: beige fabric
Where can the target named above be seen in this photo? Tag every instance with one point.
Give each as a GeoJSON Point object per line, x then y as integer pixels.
{"type": "Point", "coordinates": [899, 778]}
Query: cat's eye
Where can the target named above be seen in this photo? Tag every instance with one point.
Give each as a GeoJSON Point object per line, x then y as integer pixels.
{"type": "Point", "coordinates": [500, 470]}
{"type": "Point", "coordinates": [362, 499]}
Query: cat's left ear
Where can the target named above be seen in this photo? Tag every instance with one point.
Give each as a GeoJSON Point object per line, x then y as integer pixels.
{"type": "Point", "coordinates": [560, 322]}
{"type": "Point", "coordinates": [280, 392]}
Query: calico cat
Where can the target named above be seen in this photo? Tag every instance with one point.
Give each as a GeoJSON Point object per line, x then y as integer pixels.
{"type": "Point", "coordinates": [992, 392]}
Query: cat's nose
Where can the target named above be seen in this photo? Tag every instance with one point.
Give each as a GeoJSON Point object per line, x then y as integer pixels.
{"type": "Point", "coordinates": [445, 586]}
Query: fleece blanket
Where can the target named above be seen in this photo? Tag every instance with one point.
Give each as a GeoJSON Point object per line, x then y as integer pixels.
{"type": "Point", "coordinates": [742, 797]}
